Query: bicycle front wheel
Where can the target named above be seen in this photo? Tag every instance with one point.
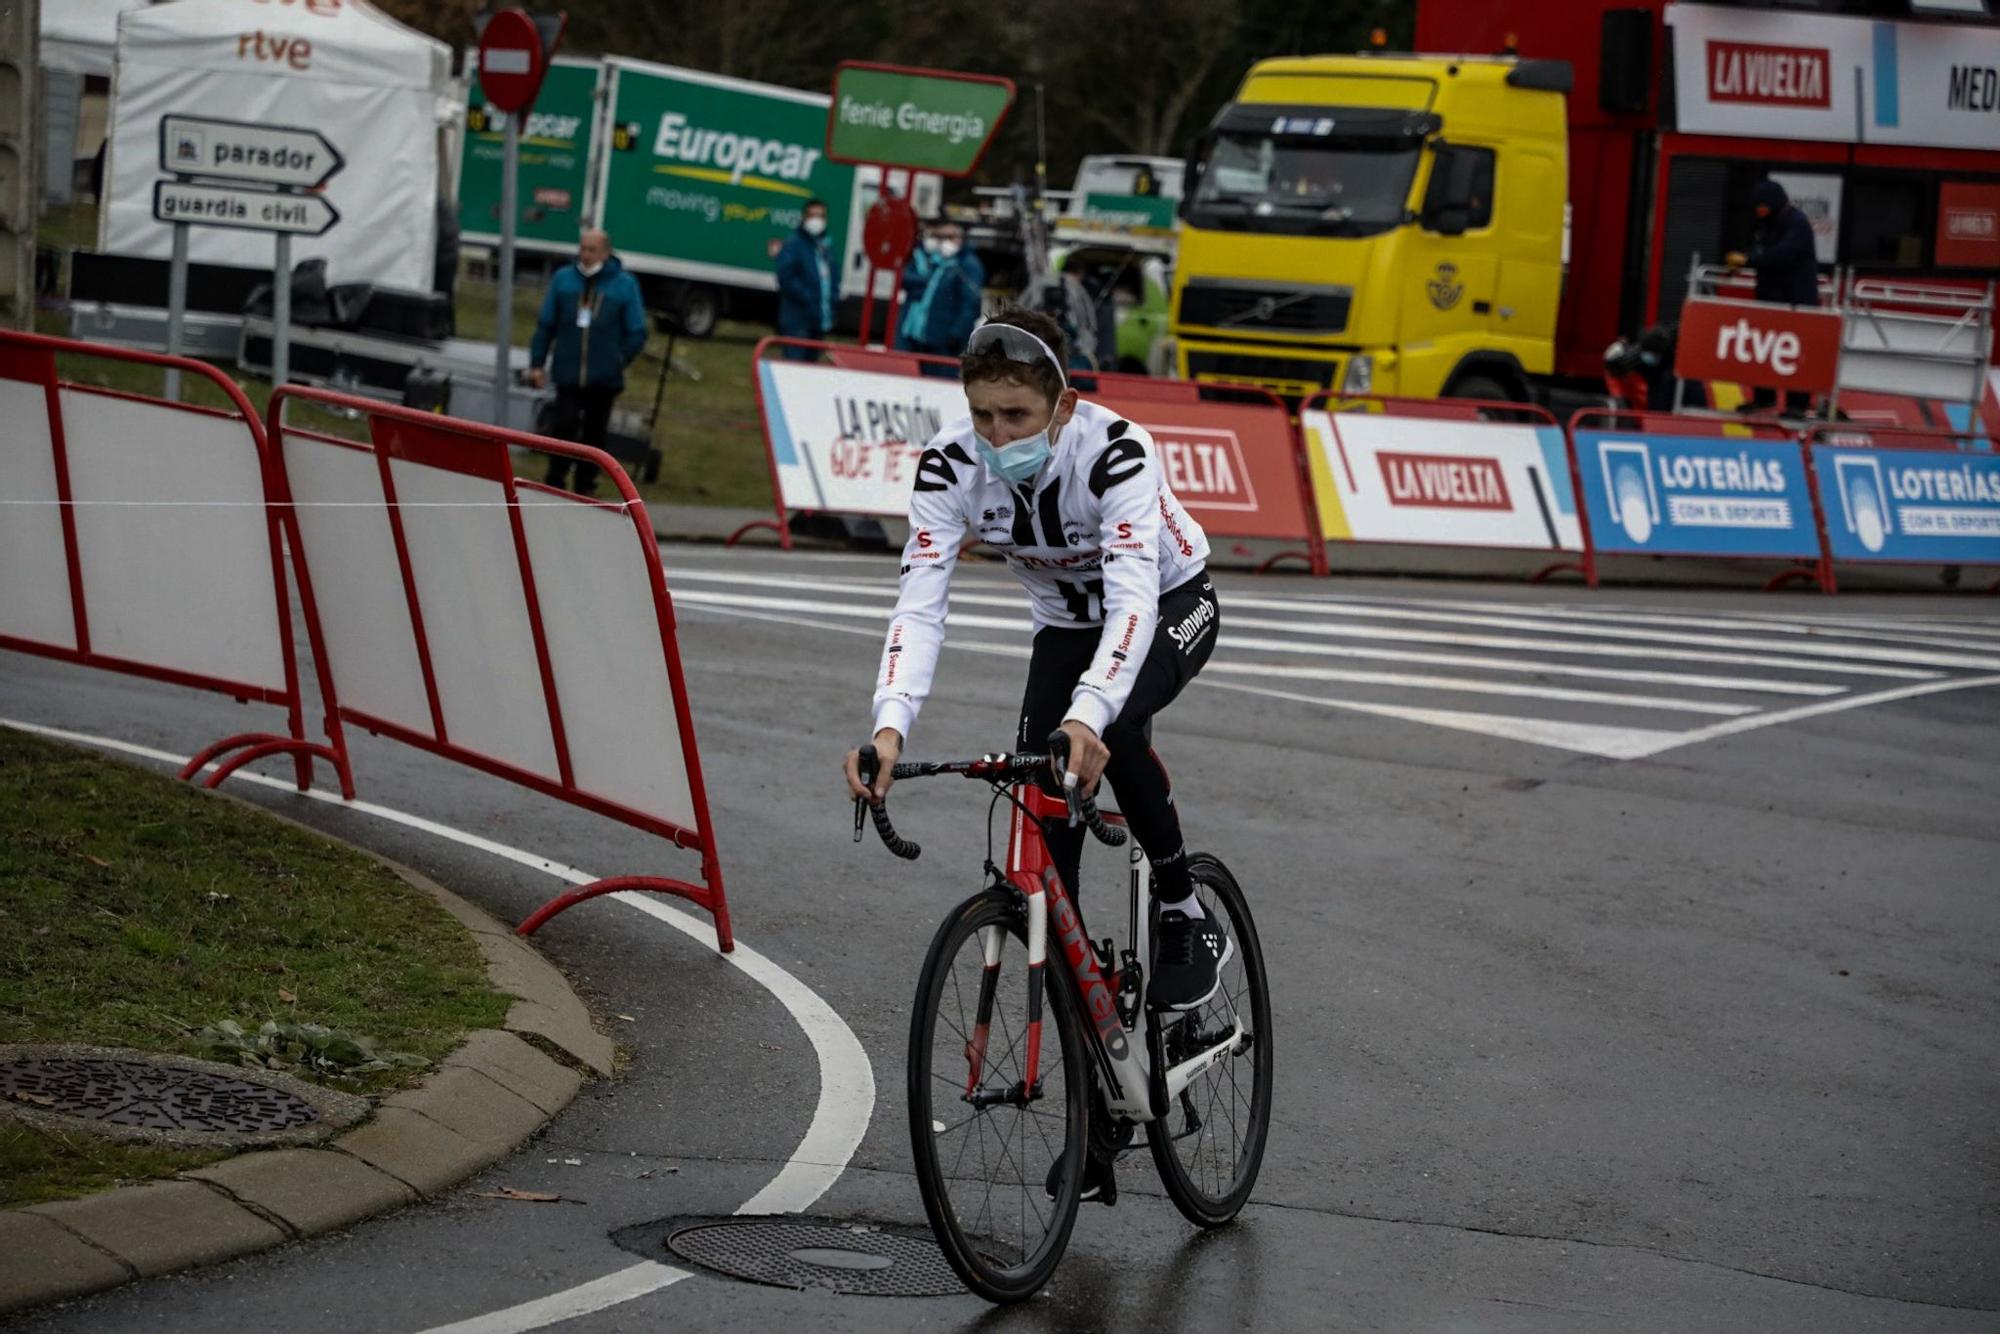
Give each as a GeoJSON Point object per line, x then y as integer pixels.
{"type": "Point", "coordinates": [1210, 1144]}
{"type": "Point", "coordinates": [999, 1163]}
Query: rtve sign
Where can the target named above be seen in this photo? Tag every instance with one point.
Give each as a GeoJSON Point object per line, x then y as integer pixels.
{"type": "Point", "coordinates": [1775, 347]}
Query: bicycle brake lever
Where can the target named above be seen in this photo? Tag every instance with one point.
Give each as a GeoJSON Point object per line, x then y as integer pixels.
{"type": "Point", "coordinates": [869, 766]}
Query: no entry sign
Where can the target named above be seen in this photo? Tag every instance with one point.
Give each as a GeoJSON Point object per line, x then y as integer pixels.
{"type": "Point", "coordinates": [514, 51]}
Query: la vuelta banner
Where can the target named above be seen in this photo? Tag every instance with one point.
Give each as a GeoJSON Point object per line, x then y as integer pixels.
{"type": "Point", "coordinates": [846, 441]}
{"type": "Point", "coordinates": [1695, 495]}
{"type": "Point", "coordinates": [1383, 478]}
{"type": "Point", "coordinates": [1909, 505]}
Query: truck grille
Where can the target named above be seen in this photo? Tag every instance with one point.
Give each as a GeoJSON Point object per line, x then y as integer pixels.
{"type": "Point", "coordinates": [1238, 367]}
{"type": "Point", "coordinates": [1272, 307]}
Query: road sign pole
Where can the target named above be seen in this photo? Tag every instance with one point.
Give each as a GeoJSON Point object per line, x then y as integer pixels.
{"type": "Point", "coordinates": [177, 292]}
{"type": "Point", "coordinates": [281, 311]}
{"type": "Point", "coordinates": [503, 327]}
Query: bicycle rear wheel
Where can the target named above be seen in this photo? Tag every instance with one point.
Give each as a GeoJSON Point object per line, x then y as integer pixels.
{"type": "Point", "coordinates": [1210, 1145]}
{"type": "Point", "coordinates": [987, 1153]}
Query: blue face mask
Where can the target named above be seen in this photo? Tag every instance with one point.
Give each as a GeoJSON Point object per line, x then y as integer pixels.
{"type": "Point", "coordinates": [1018, 460]}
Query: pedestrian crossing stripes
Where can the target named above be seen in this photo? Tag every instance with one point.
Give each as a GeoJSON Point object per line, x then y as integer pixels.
{"type": "Point", "coordinates": [1611, 681]}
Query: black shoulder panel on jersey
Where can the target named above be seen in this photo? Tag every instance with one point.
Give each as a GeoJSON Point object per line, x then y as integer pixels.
{"type": "Point", "coordinates": [955, 451]}
{"type": "Point", "coordinates": [1124, 460]}
{"type": "Point", "coordinates": [1117, 429]}
{"type": "Point", "coordinates": [933, 473]}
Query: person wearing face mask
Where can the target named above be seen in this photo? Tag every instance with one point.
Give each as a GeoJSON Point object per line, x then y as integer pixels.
{"type": "Point", "coordinates": [591, 327]}
{"type": "Point", "coordinates": [961, 296]}
{"type": "Point", "coordinates": [1075, 499]}
{"type": "Point", "coordinates": [920, 277]}
{"type": "Point", "coordinates": [806, 281]}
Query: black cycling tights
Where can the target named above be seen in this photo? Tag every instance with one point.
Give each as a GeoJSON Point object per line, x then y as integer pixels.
{"type": "Point", "coordinates": [1190, 620]}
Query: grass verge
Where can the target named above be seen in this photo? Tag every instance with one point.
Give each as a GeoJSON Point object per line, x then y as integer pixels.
{"type": "Point", "coordinates": [137, 908]}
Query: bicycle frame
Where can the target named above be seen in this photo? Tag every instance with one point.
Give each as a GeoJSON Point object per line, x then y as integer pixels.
{"type": "Point", "coordinates": [1139, 1087]}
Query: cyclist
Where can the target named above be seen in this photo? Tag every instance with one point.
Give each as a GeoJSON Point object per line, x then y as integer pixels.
{"type": "Point", "coordinates": [1124, 613]}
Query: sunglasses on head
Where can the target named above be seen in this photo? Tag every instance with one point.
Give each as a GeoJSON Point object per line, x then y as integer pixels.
{"type": "Point", "coordinates": [1015, 344]}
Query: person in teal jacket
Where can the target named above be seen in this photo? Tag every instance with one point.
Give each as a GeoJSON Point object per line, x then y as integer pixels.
{"type": "Point", "coordinates": [592, 326]}
{"type": "Point", "coordinates": [943, 314]}
{"type": "Point", "coordinates": [806, 284]}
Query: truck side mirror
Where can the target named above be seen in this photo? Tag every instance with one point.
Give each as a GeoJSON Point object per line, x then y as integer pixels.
{"type": "Point", "coordinates": [1450, 220]}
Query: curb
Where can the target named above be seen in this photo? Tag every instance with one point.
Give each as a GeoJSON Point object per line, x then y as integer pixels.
{"type": "Point", "coordinates": [481, 1103]}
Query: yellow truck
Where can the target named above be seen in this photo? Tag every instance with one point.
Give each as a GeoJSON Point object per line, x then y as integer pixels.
{"type": "Point", "coordinates": [1388, 224]}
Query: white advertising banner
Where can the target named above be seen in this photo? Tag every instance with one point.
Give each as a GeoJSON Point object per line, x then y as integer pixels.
{"type": "Point", "coordinates": [1449, 483]}
{"type": "Point", "coordinates": [847, 441]}
{"type": "Point", "coordinates": [1780, 74]}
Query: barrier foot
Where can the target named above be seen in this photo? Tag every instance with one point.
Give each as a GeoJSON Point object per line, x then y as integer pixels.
{"type": "Point", "coordinates": [1802, 575]}
{"type": "Point", "coordinates": [710, 901]}
{"type": "Point", "coordinates": [1267, 566]}
{"type": "Point", "coordinates": [256, 746]}
{"type": "Point", "coordinates": [1544, 574]}
{"type": "Point", "coordinates": [784, 537]}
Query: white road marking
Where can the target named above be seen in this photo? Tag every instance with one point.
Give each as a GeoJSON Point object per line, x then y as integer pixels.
{"type": "Point", "coordinates": [619, 1286]}
{"type": "Point", "coordinates": [1841, 657]}
{"type": "Point", "coordinates": [1470, 686]}
{"type": "Point", "coordinates": [846, 1079]}
{"type": "Point", "coordinates": [1370, 633]}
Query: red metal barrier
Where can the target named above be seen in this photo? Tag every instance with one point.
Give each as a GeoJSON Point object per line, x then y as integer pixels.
{"type": "Point", "coordinates": [469, 465]}
{"type": "Point", "coordinates": [30, 360]}
{"type": "Point", "coordinates": [1239, 477]}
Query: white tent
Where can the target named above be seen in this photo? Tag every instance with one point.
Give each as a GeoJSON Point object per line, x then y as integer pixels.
{"type": "Point", "coordinates": [81, 36]}
{"type": "Point", "coordinates": [377, 90]}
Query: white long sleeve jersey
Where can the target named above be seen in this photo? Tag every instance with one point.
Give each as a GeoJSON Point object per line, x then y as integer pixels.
{"type": "Point", "coordinates": [1095, 539]}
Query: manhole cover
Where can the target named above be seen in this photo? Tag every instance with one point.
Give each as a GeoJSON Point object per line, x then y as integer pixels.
{"type": "Point", "coordinates": [150, 1097]}
{"type": "Point", "coordinates": [791, 1253]}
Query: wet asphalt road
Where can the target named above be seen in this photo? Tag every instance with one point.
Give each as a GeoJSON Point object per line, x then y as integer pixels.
{"type": "Point", "coordinates": [1636, 966]}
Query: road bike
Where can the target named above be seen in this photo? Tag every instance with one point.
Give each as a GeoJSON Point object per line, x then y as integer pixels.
{"type": "Point", "coordinates": [1013, 1078]}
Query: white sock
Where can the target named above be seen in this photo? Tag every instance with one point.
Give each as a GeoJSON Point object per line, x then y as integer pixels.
{"type": "Point", "coordinates": [1189, 905]}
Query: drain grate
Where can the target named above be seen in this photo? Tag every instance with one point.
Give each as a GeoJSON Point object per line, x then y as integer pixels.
{"type": "Point", "coordinates": [861, 1259]}
{"type": "Point", "coordinates": [150, 1097]}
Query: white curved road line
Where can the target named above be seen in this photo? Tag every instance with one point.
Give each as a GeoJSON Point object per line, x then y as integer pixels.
{"type": "Point", "coordinates": [846, 1079]}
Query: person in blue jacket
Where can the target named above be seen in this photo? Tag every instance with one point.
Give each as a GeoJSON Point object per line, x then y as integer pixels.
{"type": "Point", "coordinates": [592, 326]}
{"type": "Point", "coordinates": [952, 302]}
{"type": "Point", "coordinates": [919, 277]}
{"type": "Point", "coordinates": [1787, 264]}
{"type": "Point", "coordinates": [806, 281]}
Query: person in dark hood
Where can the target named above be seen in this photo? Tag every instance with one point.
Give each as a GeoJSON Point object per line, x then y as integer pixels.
{"type": "Point", "coordinates": [1787, 266]}
{"type": "Point", "coordinates": [592, 326]}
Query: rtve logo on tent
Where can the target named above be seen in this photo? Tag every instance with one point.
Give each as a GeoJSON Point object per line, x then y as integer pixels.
{"type": "Point", "coordinates": [1784, 347]}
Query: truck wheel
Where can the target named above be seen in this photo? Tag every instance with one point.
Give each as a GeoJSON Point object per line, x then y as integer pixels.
{"type": "Point", "coordinates": [1480, 386]}
{"type": "Point", "coordinates": [700, 308]}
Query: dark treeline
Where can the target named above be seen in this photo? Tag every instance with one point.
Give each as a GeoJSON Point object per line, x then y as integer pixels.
{"type": "Point", "coordinates": [1140, 76]}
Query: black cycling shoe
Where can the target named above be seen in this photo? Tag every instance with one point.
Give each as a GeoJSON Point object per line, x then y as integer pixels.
{"type": "Point", "coordinates": [1100, 1179]}
{"type": "Point", "coordinates": [1188, 960]}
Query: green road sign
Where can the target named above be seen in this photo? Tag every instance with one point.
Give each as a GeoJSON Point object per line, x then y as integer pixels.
{"type": "Point", "coordinates": [708, 175]}
{"type": "Point", "coordinates": [555, 161]}
{"type": "Point", "coordinates": [932, 120]}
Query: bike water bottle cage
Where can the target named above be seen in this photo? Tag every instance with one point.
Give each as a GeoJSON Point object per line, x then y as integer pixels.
{"type": "Point", "coordinates": [1015, 344]}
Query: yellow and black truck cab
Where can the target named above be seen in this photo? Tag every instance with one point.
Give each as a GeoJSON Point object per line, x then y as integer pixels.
{"type": "Point", "coordinates": [1378, 224]}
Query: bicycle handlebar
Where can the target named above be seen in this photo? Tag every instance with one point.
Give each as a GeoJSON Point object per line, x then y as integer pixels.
{"type": "Point", "coordinates": [992, 768]}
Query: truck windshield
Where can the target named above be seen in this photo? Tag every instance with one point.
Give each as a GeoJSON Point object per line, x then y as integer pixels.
{"type": "Point", "coordinates": [1322, 186]}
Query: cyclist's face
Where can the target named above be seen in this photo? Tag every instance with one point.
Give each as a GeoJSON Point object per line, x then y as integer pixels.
{"type": "Point", "coordinates": [1003, 410]}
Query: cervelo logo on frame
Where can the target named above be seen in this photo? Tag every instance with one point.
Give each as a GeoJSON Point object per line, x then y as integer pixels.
{"type": "Point", "coordinates": [1444, 481]}
{"type": "Point", "coordinates": [1205, 468]}
{"type": "Point", "coordinates": [1758, 74]}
